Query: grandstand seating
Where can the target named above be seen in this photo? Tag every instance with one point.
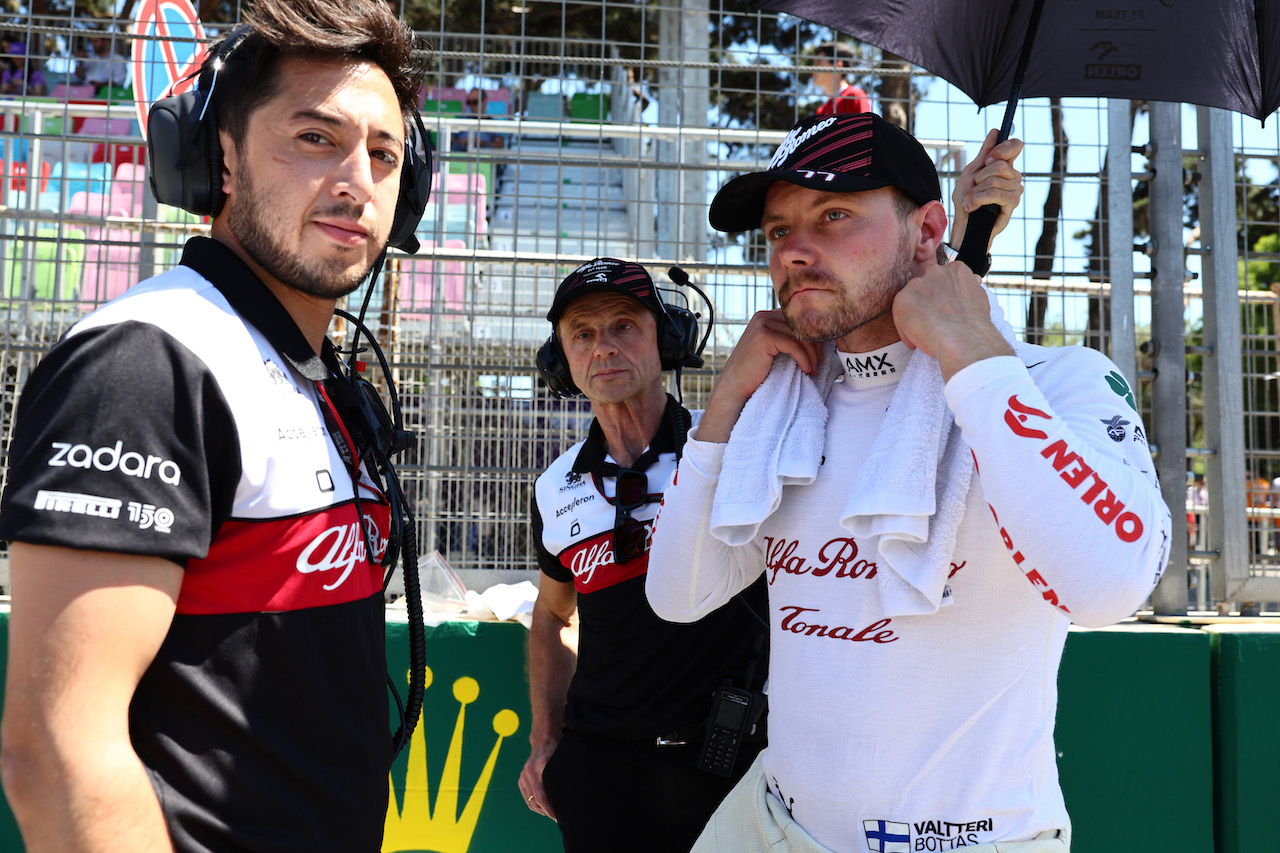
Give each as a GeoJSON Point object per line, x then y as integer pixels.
{"type": "Point", "coordinates": [543, 105]}
{"type": "Point", "coordinates": [589, 107]}
{"type": "Point", "coordinates": [423, 280]}
{"type": "Point", "coordinates": [67, 91]}
{"type": "Point", "coordinates": [17, 172]}
{"type": "Point", "coordinates": [51, 260]}
{"type": "Point", "coordinates": [69, 178]}
{"type": "Point", "coordinates": [111, 257]}
{"type": "Point", "coordinates": [128, 187]}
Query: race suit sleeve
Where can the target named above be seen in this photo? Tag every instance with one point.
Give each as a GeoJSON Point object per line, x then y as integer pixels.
{"type": "Point", "coordinates": [691, 573]}
{"type": "Point", "coordinates": [1067, 472]}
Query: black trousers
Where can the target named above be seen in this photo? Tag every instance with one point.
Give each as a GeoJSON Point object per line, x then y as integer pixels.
{"type": "Point", "coordinates": [620, 796]}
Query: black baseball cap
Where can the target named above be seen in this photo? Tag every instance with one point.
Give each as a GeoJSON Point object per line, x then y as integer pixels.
{"type": "Point", "coordinates": [847, 153]}
{"type": "Point", "coordinates": [606, 275]}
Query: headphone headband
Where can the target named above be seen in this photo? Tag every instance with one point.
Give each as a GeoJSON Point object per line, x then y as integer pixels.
{"type": "Point", "coordinates": [184, 156]}
{"type": "Point", "coordinates": [678, 344]}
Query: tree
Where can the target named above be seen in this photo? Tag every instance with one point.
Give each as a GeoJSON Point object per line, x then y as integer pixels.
{"type": "Point", "coordinates": [1042, 268]}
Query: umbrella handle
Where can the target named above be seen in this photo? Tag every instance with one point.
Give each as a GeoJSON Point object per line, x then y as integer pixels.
{"type": "Point", "coordinates": [977, 234]}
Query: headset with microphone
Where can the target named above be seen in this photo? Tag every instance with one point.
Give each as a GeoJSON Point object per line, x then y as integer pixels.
{"type": "Point", "coordinates": [184, 156]}
{"type": "Point", "coordinates": [678, 344]}
{"type": "Point", "coordinates": [184, 164]}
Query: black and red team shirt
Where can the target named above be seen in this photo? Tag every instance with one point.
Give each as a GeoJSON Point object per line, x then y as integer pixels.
{"type": "Point", "coordinates": [183, 421]}
{"type": "Point", "coordinates": [638, 676]}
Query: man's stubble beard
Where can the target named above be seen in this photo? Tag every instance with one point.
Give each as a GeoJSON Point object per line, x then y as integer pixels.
{"type": "Point", "coordinates": [850, 312]}
{"type": "Point", "coordinates": [325, 280]}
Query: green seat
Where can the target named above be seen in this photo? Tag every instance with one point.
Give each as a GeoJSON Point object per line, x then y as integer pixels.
{"type": "Point", "coordinates": [585, 107]}
{"type": "Point", "coordinates": [56, 266]}
{"type": "Point", "coordinates": [435, 106]}
{"type": "Point", "coordinates": [170, 257]}
{"type": "Point", "coordinates": [116, 94]}
{"type": "Point", "coordinates": [53, 115]}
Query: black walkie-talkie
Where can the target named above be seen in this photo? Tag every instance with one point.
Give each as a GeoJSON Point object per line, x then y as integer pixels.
{"type": "Point", "coordinates": [726, 727]}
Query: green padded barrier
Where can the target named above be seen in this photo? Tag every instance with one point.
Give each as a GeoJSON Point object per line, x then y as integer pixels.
{"type": "Point", "coordinates": [1133, 736]}
{"type": "Point", "coordinates": [1246, 699]}
{"type": "Point", "coordinates": [1134, 739]}
{"type": "Point", "coordinates": [477, 669]}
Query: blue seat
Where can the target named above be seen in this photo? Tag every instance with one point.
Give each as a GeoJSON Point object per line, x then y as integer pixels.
{"type": "Point", "coordinates": [69, 178]}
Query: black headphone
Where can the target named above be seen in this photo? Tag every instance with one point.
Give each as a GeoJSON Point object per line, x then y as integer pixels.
{"type": "Point", "coordinates": [184, 157]}
{"type": "Point", "coordinates": [678, 345]}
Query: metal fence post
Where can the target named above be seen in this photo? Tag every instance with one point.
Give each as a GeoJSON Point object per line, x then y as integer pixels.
{"type": "Point", "coordinates": [1168, 427]}
{"type": "Point", "coordinates": [1120, 225]}
{"type": "Point", "coordinates": [1222, 370]}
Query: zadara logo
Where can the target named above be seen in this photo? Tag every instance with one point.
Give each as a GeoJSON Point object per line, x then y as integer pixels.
{"type": "Point", "coordinates": [114, 458]}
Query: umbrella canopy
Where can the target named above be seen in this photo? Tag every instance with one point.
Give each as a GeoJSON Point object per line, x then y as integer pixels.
{"type": "Point", "coordinates": [1219, 53]}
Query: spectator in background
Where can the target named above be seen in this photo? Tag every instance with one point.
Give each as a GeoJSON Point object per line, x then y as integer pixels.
{"type": "Point", "coordinates": [830, 59]}
{"type": "Point", "coordinates": [103, 67]}
{"type": "Point", "coordinates": [470, 140]}
{"type": "Point", "coordinates": [21, 78]}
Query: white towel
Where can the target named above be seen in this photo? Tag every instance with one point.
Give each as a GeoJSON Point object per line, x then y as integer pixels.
{"type": "Point", "coordinates": [777, 441]}
{"type": "Point", "coordinates": [909, 497]}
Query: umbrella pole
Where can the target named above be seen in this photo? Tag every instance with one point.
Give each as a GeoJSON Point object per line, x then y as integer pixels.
{"type": "Point", "coordinates": [977, 234]}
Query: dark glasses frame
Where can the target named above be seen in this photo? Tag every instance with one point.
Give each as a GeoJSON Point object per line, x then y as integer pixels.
{"type": "Point", "coordinates": [630, 535]}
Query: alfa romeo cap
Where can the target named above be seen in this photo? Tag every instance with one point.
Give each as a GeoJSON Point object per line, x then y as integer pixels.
{"type": "Point", "coordinates": [606, 275]}
{"type": "Point", "coordinates": [846, 153]}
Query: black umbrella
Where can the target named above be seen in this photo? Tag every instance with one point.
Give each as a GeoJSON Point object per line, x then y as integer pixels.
{"type": "Point", "coordinates": [1219, 53]}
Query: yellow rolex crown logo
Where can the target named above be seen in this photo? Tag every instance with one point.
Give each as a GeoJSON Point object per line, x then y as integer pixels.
{"type": "Point", "coordinates": [419, 826]}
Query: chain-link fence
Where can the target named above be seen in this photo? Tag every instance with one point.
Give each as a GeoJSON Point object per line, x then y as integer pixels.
{"type": "Point", "coordinates": [565, 132]}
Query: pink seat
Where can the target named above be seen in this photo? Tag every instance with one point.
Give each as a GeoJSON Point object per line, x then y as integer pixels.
{"type": "Point", "coordinates": [422, 278]}
{"type": "Point", "coordinates": [67, 91]}
{"type": "Point", "coordinates": [96, 131]}
{"type": "Point", "coordinates": [109, 270]}
{"type": "Point", "coordinates": [101, 128]}
{"type": "Point", "coordinates": [467, 200]}
{"type": "Point", "coordinates": [127, 188]}
{"type": "Point", "coordinates": [448, 93]}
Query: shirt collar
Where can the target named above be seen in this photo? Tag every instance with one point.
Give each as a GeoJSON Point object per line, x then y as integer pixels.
{"type": "Point", "coordinates": [882, 366]}
{"type": "Point", "coordinates": [254, 302]}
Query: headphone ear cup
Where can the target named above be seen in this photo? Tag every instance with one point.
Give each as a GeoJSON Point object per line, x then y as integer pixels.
{"type": "Point", "coordinates": [213, 160]}
{"type": "Point", "coordinates": [678, 339]}
{"type": "Point", "coordinates": [415, 190]}
{"type": "Point", "coordinates": [184, 158]}
{"type": "Point", "coordinates": [554, 370]}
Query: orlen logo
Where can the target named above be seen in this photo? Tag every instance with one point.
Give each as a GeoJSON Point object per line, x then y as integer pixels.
{"type": "Point", "coordinates": [113, 458]}
{"type": "Point", "coordinates": [1017, 422]}
{"type": "Point", "coordinates": [345, 550]}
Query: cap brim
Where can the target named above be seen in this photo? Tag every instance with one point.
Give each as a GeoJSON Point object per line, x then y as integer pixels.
{"type": "Point", "coordinates": [586, 290]}
{"type": "Point", "coordinates": [739, 205]}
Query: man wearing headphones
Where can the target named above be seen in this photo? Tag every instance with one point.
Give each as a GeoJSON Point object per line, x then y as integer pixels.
{"type": "Point", "coordinates": [196, 648]}
{"type": "Point", "coordinates": [619, 696]}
